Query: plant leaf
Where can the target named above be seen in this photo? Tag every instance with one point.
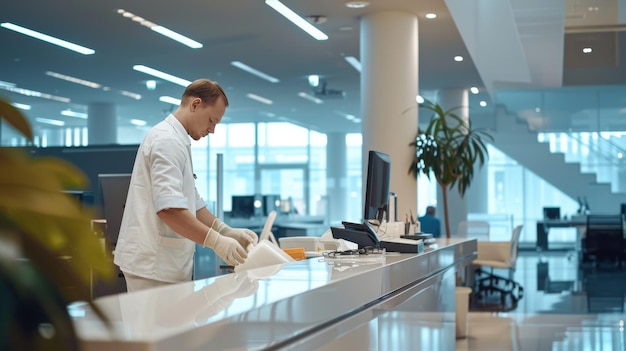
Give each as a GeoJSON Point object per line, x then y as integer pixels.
{"type": "Point", "coordinates": [15, 118]}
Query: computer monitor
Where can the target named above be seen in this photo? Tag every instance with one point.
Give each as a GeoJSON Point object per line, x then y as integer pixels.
{"type": "Point", "coordinates": [245, 206]}
{"type": "Point", "coordinates": [113, 191]}
{"type": "Point", "coordinates": [377, 185]}
{"type": "Point", "coordinates": [270, 203]}
{"type": "Point", "coordinates": [551, 213]}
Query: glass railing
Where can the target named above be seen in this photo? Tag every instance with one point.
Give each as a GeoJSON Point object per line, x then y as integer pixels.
{"type": "Point", "coordinates": [602, 154]}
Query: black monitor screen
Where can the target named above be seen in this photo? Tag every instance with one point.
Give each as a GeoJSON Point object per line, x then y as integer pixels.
{"type": "Point", "coordinates": [243, 206]}
{"type": "Point", "coordinates": [552, 213]}
{"type": "Point", "coordinates": [113, 192]}
{"type": "Point", "coordinates": [270, 203]}
{"type": "Point", "coordinates": [377, 184]}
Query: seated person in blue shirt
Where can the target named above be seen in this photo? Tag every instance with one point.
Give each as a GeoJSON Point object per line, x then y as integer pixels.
{"type": "Point", "coordinates": [429, 223]}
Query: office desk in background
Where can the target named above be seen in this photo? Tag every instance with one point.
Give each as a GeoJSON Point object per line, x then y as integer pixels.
{"type": "Point", "coordinates": [543, 228]}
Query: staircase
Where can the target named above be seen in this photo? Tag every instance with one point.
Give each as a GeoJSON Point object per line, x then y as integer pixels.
{"type": "Point", "coordinates": [514, 139]}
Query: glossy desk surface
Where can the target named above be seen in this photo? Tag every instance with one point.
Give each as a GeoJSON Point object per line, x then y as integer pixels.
{"type": "Point", "coordinates": [259, 308]}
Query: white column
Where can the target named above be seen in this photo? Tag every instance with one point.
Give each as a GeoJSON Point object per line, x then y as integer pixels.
{"type": "Point", "coordinates": [101, 123]}
{"type": "Point", "coordinates": [389, 85]}
{"type": "Point", "coordinates": [53, 136]}
{"type": "Point", "coordinates": [457, 205]}
{"type": "Point", "coordinates": [336, 177]}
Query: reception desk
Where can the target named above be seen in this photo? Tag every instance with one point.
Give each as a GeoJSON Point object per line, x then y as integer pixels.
{"type": "Point", "coordinates": [399, 302]}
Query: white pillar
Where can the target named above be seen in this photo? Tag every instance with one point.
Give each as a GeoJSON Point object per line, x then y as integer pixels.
{"type": "Point", "coordinates": [101, 124]}
{"type": "Point", "coordinates": [457, 205]}
{"type": "Point", "coordinates": [389, 85]}
{"type": "Point", "coordinates": [54, 136]}
{"type": "Point", "coordinates": [336, 177]}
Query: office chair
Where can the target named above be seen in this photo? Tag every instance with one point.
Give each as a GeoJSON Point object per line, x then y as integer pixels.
{"type": "Point", "coordinates": [474, 229]}
{"type": "Point", "coordinates": [498, 255]}
{"type": "Point", "coordinates": [604, 239]}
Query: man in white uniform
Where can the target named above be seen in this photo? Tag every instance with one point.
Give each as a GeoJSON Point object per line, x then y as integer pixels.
{"type": "Point", "coordinates": [164, 215]}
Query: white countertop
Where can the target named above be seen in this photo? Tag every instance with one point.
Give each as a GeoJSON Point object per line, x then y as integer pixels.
{"type": "Point", "coordinates": [255, 308]}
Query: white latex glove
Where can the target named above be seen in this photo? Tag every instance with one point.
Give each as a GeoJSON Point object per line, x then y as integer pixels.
{"type": "Point", "coordinates": [227, 248]}
{"type": "Point", "coordinates": [244, 236]}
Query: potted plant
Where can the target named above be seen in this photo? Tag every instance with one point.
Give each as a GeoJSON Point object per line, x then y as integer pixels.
{"type": "Point", "coordinates": [47, 249]}
{"type": "Point", "coordinates": [448, 149]}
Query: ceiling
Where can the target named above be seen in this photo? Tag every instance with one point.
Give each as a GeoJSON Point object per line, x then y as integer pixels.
{"type": "Point", "coordinates": [251, 32]}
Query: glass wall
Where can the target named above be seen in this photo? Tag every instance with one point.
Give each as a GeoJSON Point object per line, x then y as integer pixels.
{"type": "Point", "coordinates": [265, 159]}
{"type": "Point", "coordinates": [290, 161]}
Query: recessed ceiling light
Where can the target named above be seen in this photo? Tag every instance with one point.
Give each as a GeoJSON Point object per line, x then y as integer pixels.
{"type": "Point", "coordinates": [431, 15]}
{"type": "Point", "coordinates": [458, 58]}
{"type": "Point", "coordinates": [587, 50]}
{"type": "Point", "coordinates": [483, 103]}
{"type": "Point", "coordinates": [474, 90]}
{"type": "Point", "coordinates": [151, 84]}
{"type": "Point", "coordinates": [314, 80]}
{"type": "Point", "coordinates": [357, 4]}
{"type": "Point", "coordinates": [419, 99]}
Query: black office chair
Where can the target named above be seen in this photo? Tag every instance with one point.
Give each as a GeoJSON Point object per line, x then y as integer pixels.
{"type": "Point", "coordinates": [603, 240]}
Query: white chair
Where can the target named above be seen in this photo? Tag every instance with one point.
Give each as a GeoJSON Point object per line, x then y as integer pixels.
{"type": "Point", "coordinates": [498, 255]}
{"type": "Point", "coordinates": [478, 230]}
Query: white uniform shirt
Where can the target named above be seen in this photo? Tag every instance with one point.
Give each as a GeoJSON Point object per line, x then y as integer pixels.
{"type": "Point", "coordinates": [162, 178]}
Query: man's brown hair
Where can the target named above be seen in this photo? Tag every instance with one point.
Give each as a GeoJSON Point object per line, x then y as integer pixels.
{"type": "Point", "coordinates": [207, 90]}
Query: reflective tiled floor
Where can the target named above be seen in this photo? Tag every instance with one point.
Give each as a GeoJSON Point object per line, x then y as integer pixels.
{"type": "Point", "coordinates": [564, 307]}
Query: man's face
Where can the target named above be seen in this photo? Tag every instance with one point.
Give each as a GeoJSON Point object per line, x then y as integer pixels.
{"type": "Point", "coordinates": [206, 117]}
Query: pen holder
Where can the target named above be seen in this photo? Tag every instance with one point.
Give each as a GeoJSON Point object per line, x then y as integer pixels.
{"type": "Point", "coordinates": [396, 229]}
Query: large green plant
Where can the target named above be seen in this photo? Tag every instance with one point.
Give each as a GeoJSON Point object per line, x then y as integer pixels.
{"type": "Point", "coordinates": [48, 252]}
{"type": "Point", "coordinates": [449, 150]}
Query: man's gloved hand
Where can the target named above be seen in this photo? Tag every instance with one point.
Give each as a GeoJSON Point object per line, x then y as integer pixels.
{"type": "Point", "coordinates": [227, 248]}
{"type": "Point", "coordinates": [244, 236]}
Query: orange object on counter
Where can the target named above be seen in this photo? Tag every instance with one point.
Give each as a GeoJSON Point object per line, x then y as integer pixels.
{"type": "Point", "coordinates": [297, 253]}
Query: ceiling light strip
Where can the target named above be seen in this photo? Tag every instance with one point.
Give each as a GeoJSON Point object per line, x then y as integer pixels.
{"type": "Point", "coordinates": [166, 76]}
{"type": "Point", "coordinates": [260, 99]}
{"type": "Point", "coordinates": [21, 106]}
{"type": "Point", "coordinates": [161, 30]}
{"type": "Point", "coordinates": [73, 80]}
{"type": "Point", "coordinates": [177, 37]}
{"type": "Point", "coordinates": [244, 67]}
{"type": "Point", "coordinates": [33, 93]}
{"type": "Point", "coordinates": [170, 100]}
{"type": "Point", "coordinates": [70, 113]}
{"type": "Point", "coordinates": [54, 122]}
{"type": "Point", "coordinates": [310, 98]}
{"type": "Point", "coordinates": [297, 20]}
{"type": "Point", "coordinates": [138, 122]}
{"type": "Point", "coordinates": [131, 94]}
{"type": "Point", "coordinates": [354, 62]}
{"type": "Point", "coordinates": [47, 38]}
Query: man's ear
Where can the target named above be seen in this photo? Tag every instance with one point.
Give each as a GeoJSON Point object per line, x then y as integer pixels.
{"type": "Point", "coordinates": [195, 103]}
